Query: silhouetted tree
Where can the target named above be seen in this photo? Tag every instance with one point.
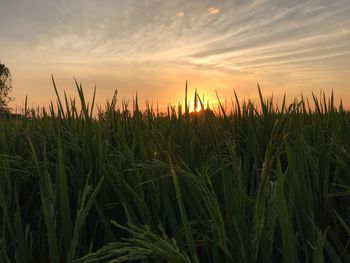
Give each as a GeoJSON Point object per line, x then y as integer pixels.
{"type": "Point", "coordinates": [5, 88]}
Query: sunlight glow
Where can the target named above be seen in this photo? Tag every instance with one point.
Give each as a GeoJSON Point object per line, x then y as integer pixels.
{"type": "Point", "coordinates": [197, 109]}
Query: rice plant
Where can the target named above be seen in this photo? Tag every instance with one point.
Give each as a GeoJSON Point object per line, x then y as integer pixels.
{"type": "Point", "coordinates": [258, 183]}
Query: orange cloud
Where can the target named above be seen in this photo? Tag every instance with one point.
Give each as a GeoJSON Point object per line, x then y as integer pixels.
{"type": "Point", "coordinates": [179, 14]}
{"type": "Point", "coordinates": [213, 11]}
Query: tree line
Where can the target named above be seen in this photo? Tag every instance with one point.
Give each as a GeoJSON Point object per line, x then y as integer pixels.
{"type": "Point", "coordinates": [5, 88]}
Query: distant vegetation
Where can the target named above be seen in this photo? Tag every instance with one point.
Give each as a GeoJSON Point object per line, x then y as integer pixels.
{"type": "Point", "coordinates": [260, 184]}
{"type": "Point", "coordinates": [5, 89]}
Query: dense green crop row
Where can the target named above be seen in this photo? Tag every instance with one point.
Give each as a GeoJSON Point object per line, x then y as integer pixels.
{"type": "Point", "coordinates": [260, 184]}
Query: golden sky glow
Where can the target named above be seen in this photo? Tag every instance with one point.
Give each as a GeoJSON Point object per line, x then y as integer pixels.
{"type": "Point", "coordinates": [152, 47]}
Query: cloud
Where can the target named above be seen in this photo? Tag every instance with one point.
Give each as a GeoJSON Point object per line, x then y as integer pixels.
{"type": "Point", "coordinates": [269, 39]}
{"type": "Point", "coordinates": [213, 11]}
{"type": "Point", "coordinates": [179, 14]}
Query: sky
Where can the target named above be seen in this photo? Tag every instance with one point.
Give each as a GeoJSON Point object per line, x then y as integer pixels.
{"type": "Point", "coordinates": [153, 46]}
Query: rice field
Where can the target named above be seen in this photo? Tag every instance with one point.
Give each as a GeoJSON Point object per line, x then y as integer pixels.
{"type": "Point", "coordinates": [258, 183]}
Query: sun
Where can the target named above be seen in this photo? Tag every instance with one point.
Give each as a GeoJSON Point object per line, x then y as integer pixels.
{"type": "Point", "coordinates": [199, 108]}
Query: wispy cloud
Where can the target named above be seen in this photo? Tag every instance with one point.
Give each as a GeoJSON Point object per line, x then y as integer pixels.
{"type": "Point", "coordinates": [213, 11]}
{"type": "Point", "coordinates": [291, 42]}
{"type": "Point", "coordinates": [179, 14]}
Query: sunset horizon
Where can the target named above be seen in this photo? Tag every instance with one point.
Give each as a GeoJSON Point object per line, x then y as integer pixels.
{"type": "Point", "coordinates": [153, 47]}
